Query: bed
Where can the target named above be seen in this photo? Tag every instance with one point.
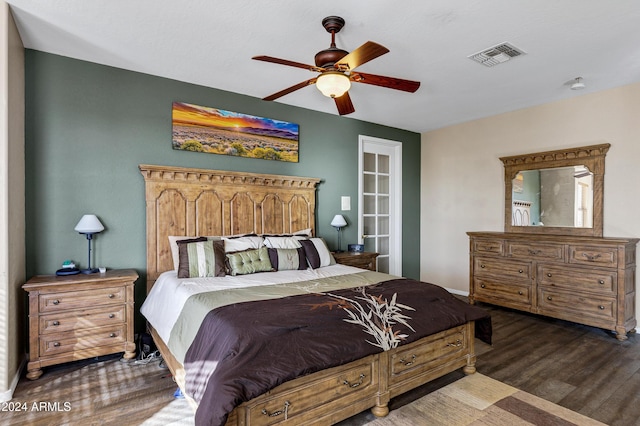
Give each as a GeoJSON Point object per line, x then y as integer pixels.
{"type": "Point", "coordinates": [283, 362]}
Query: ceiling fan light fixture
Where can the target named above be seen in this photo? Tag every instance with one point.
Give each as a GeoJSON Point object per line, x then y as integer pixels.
{"type": "Point", "coordinates": [578, 84]}
{"type": "Point", "coordinates": [333, 84]}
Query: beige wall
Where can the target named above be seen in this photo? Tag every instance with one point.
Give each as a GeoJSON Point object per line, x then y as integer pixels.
{"type": "Point", "coordinates": [12, 218]}
{"type": "Point", "coordinates": [462, 176]}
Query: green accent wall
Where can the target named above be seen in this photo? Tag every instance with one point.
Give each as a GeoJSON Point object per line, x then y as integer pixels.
{"type": "Point", "coordinates": [88, 127]}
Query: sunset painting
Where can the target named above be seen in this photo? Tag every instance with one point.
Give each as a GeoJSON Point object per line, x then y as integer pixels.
{"type": "Point", "coordinates": [215, 131]}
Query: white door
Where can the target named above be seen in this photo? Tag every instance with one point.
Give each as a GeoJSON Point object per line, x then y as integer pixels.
{"type": "Point", "coordinates": [379, 207]}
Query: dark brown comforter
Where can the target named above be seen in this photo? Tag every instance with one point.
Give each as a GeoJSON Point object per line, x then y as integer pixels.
{"type": "Point", "coordinates": [245, 349]}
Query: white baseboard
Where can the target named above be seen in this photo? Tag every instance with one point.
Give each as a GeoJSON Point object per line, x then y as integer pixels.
{"type": "Point", "coordinates": [8, 394]}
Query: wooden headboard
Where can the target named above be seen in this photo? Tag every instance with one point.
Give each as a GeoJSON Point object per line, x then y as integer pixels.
{"type": "Point", "coordinates": [201, 202]}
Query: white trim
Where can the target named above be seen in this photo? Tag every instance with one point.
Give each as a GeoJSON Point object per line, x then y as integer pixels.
{"type": "Point", "coordinates": [8, 394]}
{"type": "Point", "coordinates": [395, 191]}
{"type": "Point", "coordinates": [458, 292]}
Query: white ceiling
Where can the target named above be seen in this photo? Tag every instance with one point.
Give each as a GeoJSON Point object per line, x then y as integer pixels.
{"type": "Point", "coordinates": [211, 43]}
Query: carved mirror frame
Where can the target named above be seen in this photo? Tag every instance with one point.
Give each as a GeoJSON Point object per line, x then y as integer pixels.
{"type": "Point", "coordinates": [590, 156]}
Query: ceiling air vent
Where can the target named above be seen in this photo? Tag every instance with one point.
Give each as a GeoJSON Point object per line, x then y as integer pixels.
{"type": "Point", "coordinates": [497, 54]}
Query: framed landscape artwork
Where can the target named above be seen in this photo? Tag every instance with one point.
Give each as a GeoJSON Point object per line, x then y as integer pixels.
{"type": "Point", "coordinates": [215, 131]}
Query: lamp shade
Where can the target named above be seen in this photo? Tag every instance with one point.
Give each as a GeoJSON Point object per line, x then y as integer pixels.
{"type": "Point", "coordinates": [338, 221]}
{"type": "Point", "coordinates": [333, 84]}
{"type": "Point", "coordinates": [89, 224]}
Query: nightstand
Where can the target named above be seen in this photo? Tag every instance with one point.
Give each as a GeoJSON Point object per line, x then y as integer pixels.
{"type": "Point", "coordinates": [80, 316]}
{"type": "Point", "coordinates": [364, 260]}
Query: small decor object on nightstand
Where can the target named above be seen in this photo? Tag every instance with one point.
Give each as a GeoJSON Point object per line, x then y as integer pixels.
{"type": "Point", "coordinates": [356, 248]}
{"type": "Point", "coordinates": [89, 225]}
{"type": "Point", "coordinates": [339, 222]}
{"type": "Point", "coordinates": [68, 268]}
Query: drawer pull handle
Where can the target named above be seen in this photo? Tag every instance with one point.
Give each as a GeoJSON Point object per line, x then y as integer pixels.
{"type": "Point", "coordinates": [482, 285]}
{"type": "Point", "coordinates": [112, 315]}
{"type": "Point", "coordinates": [592, 257]}
{"type": "Point", "coordinates": [534, 252]}
{"type": "Point", "coordinates": [408, 363]}
{"type": "Point", "coordinates": [56, 344]}
{"type": "Point", "coordinates": [520, 271]}
{"type": "Point", "coordinates": [356, 384]}
{"type": "Point", "coordinates": [601, 307]}
{"type": "Point", "coordinates": [482, 265]}
{"type": "Point", "coordinates": [112, 335]}
{"type": "Point", "coordinates": [111, 295]}
{"type": "Point", "coordinates": [56, 323]}
{"type": "Point", "coordinates": [520, 293]}
{"type": "Point", "coordinates": [549, 274]}
{"type": "Point", "coordinates": [56, 302]}
{"type": "Point", "coordinates": [600, 281]}
{"type": "Point", "coordinates": [457, 344]}
{"type": "Point", "coordinates": [549, 298]}
{"type": "Point", "coordinates": [276, 413]}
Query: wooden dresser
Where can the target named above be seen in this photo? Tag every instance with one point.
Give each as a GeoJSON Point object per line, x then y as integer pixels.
{"type": "Point", "coordinates": [364, 260]}
{"type": "Point", "coordinates": [79, 316]}
{"type": "Point", "coordinates": [588, 280]}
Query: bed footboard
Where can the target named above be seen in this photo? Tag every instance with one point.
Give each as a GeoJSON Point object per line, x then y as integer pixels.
{"type": "Point", "coordinates": [332, 395]}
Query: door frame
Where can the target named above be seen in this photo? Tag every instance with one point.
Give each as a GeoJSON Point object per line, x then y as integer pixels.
{"type": "Point", "coordinates": [395, 202]}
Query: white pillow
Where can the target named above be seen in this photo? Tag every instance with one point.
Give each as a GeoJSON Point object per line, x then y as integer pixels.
{"type": "Point", "coordinates": [242, 243]}
{"type": "Point", "coordinates": [282, 242]}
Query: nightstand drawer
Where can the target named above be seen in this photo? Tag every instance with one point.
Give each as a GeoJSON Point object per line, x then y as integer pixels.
{"type": "Point", "coordinates": [55, 302]}
{"type": "Point", "coordinates": [77, 320]}
{"type": "Point", "coordinates": [81, 339]}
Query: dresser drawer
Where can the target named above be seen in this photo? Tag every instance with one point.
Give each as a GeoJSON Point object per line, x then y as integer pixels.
{"type": "Point", "coordinates": [76, 320]}
{"type": "Point", "coordinates": [483, 266]}
{"type": "Point", "coordinates": [82, 339]}
{"type": "Point", "coordinates": [488, 246]}
{"type": "Point", "coordinates": [603, 282]}
{"type": "Point", "coordinates": [412, 360]}
{"type": "Point", "coordinates": [360, 377]}
{"type": "Point", "coordinates": [586, 309]}
{"type": "Point", "coordinates": [490, 290]}
{"type": "Point", "coordinates": [597, 256]}
{"type": "Point", "coordinates": [55, 302]}
{"type": "Point", "coordinates": [536, 251]}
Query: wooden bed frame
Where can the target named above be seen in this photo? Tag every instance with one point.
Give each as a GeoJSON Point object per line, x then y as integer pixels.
{"type": "Point", "coordinates": [194, 202]}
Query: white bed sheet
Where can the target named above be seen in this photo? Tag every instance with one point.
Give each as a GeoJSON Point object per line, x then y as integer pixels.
{"type": "Point", "coordinates": [169, 293]}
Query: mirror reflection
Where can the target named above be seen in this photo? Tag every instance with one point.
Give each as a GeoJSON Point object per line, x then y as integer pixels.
{"type": "Point", "coordinates": [555, 197]}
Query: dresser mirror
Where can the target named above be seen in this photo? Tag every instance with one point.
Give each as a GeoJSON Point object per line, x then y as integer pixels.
{"type": "Point", "coordinates": [555, 192]}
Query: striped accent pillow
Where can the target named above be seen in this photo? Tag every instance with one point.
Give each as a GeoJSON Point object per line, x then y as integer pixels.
{"type": "Point", "coordinates": [317, 252]}
{"type": "Point", "coordinates": [201, 259]}
{"type": "Point", "coordinates": [287, 259]}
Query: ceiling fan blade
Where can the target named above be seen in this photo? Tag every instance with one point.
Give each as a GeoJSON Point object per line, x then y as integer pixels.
{"type": "Point", "coordinates": [287, 62]}
{"type": "Point", "coordinates": [382, 81]}
{"type": "Point", "coordinates": [290, 89]}
{"type": "Point", "coordinates": [344, 104]}
{"type": "Point", "coordinates": [361, 55]}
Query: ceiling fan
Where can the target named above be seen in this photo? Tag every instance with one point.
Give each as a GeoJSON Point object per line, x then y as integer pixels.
{"type": "Point", "coordinates": [336, 70]}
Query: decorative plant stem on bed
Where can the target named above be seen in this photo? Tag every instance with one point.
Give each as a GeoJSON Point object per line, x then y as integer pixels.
{"type": "Point", "coordinates": [379, 319]}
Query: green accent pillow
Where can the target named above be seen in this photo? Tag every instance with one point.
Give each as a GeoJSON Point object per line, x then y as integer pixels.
{"type": "Point", "coordinates": [249, 262]}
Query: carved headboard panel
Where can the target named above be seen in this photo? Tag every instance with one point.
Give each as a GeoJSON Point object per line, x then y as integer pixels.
{"type": "Point", "coordinates": [200, 202]}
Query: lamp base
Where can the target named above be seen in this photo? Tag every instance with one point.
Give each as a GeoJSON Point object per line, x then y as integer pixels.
{"type": "Point", "coordinates": [338, 251]}
{"type": "Point", "coordinates": [89, 271]}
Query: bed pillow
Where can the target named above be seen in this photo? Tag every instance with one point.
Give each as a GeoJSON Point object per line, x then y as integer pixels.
{"type": "Point", "coordinates": [233, 244]}
{"type": "Point", "coordinates": [249, 262]}
{"type": "Point", "coordinates": [317, 253]}
{"type": "Point", "coordinates": [173, 245]}
{"type": "Point", "coordinates": [201, 259]}
{"type": "Point", "coordinates": [286, 259]}
{"type": "Point", "coordinates": [289, 242]}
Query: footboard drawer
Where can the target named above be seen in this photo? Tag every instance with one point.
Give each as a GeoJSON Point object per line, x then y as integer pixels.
{"type": "Point", "coordinates": [418, 357]}
{"type": "Point", "coordinates": [345, 385]}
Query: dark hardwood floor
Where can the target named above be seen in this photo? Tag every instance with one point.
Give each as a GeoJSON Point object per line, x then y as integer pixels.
{"type": "Point", "coordinates": [582, 368]}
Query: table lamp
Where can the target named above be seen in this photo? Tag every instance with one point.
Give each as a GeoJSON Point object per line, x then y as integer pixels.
{"type": "Point", "coordinates": [89, 225]}
{"type": "Point", "coordinates": [339, 222]}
